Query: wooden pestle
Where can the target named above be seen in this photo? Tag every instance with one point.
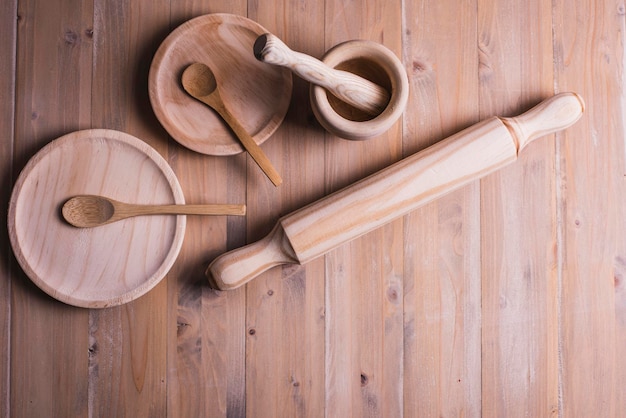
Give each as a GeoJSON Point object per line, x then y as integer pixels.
{"type": "Point", "coordinates": [394, 191]}
{"type": "Point", "coordinates": [346, 86]}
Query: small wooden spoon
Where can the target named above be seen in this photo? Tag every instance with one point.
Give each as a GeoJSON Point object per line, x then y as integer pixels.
{"type": "Point", "coordinates": [86, 211]}
{"type": "Point", "coordinates": [198, 80]}
{"type": "Point", "coordinates": [346, 86]}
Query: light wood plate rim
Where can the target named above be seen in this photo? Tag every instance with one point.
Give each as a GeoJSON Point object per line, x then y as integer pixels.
{"type": "Point", "coordinates": [180, 114]}
{"type": "Point", "coordinates": [17, 239]}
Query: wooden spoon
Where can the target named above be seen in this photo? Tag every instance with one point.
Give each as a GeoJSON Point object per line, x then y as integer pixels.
{"type": "Point", "coordinates": [86, 211]}
{"type": "Point", "coordinates": [198, 80]}
{"type": "Point", "coordinates": [346, 86]}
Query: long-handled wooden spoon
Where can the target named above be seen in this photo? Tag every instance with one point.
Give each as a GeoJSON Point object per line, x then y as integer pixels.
{"type": "Point", "coordinates": [198, 80]}
{"type": "Point", "coordinates": [350, 88]}
{"type": "Point", "coordinates": [86, 211]}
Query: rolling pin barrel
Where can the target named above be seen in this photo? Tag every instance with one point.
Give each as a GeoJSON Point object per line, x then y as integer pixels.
{"type": "Point", "coordinates": [395, 191]}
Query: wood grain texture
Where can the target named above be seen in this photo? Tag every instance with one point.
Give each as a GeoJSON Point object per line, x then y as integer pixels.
{"type": "Point", "coordinates": [591, 209]}
{"type": "Point", "coordinates": [395, 191]}
{"type": "Point", "coordinates": [442, 317]}
{"type": "Point", "coordinates": [8, 49]}
{"type": "Point", "coordinates": [519, 292]}
{"type": "Point", "coordinates": [48, 33]}
{"type": "Point", "coordinates": [200, 82]}
{"type": "Point", "coordinates": [222, 42]}
{"type": "Point", "coordinates": [505, 298]}
{"type": "Point", "coordinates": [88, 211]}
{"type": "Point", "coordinates": [206, 329]}
{"type": "Point", "coordinates": [361, 377]}
{"type": "Point", "coordinates": [127, 362]}
{"type": "Point", "coordinates": [67, 262]}
{"type": "Point", "coordinates": [369, 59]}
{"type": "Point", "coordinates": [347, 86]}
{"type": "Point", "coordinates": [288, 304]}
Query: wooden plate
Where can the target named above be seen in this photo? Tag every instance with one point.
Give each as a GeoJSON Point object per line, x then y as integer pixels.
{"type": "Point", "coordinates": [258, 94]}
{"type": "Point", "coordinates": [106, 265]}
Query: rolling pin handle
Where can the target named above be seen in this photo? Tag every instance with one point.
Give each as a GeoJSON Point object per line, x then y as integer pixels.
{"type": "Point", "coordinates": [237, 267]}
{"type": "Point", "coordinates": [551, 115]}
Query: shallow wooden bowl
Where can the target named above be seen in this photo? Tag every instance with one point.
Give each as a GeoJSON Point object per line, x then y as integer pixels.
{"type": "Point", "coordinates": [256, 93]}
{"type": "Point", "coordinates": [106, 265]}
{"type": "Point", "coordinates": [376, 63]}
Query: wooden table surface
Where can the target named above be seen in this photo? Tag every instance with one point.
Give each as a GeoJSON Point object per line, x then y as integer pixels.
{"type": "Point", "coordinates": [506, 298]}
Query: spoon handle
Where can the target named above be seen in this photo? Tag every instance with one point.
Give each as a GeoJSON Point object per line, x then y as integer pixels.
{"type": "Point", "coordinates": [350, 88]}
{"type": "Point", "coordinates": [248, 143]}
{"type": "Point", "coordinates": [126, 210]}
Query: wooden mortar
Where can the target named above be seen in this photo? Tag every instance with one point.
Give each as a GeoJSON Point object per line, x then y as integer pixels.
{"type": "Point", "coordinates": [376, 63]}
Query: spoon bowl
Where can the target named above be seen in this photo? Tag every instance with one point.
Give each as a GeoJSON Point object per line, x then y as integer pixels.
{"type": "Point", "coordinates": [199, 80]}
{"type": "Point", "coordinates": [86, 211]}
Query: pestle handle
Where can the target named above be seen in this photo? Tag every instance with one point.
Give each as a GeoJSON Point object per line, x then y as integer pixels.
{"type": "Point", "coordinates": [346, 86]}
{"type": "Point", "coordinates": [395, 191]}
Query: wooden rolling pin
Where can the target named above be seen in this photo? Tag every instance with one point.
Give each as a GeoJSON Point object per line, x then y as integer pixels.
{"type": "Point", "coordinates": [346, 86]}
{"type": "Point", "coordinates": [394, 191]}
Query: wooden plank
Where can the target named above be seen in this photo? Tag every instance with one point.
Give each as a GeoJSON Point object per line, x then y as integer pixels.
{"type": "Point", "coordinates": [364, 353]}
{"type": "Point", "coordinates": [442, 341]}
{"type": "Point", "coordinates": [363, 279]}
{"type": "Point", "coordinates": [48, 339]}
{"type": "Point", "coordinates": [207, 353]}
{"type": "Point", "coordinates": [127, 363]}
{"type": "Point", "coordinates": [8, 43]}
{"type": "Point", "coordinates": [589, 57]}
{"type": "Point", "coordinates": [285, 306]}
{"type": "Point", "coordinates": [518, 219]}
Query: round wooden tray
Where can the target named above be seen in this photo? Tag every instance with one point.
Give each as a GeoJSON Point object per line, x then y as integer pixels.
{"type": "Point", "coordinates": [106, 265]}
{"type": "Point", "coordinates": [258, 94]}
